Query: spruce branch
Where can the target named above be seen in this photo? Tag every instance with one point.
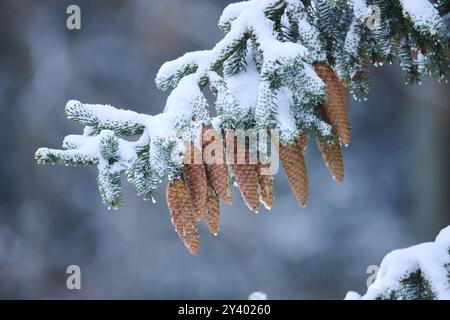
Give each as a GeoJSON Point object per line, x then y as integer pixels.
{"type": "Point", "coordinates": [420, 272]}
{"type": "Point", "coordinates": [284, 65]}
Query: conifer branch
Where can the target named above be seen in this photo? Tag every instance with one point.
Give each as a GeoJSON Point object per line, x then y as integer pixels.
{"type": "Point", "coordinates": [284, 65]}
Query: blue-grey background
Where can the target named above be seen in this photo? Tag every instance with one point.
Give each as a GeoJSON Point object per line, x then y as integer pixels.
{"type": "Point", "coordinates": [395, 194]}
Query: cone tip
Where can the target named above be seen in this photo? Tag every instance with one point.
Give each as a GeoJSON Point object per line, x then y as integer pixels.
{"type": "Point", "coordinates": [266, 205]}
{"type": "Point", "coordinates": [339, 180]}
{"type": "Point", "coordinates": [193, 250]}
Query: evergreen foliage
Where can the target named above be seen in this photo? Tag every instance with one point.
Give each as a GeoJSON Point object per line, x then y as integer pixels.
{"type": "Point", "coordinates": [263, 76]}
{"type": "Point", "coordinates": [420, 272]}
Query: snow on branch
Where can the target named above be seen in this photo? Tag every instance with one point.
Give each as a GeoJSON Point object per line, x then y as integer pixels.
{"type": "Point", "coordinates": [418, 272]}
{"type": "Point", "coordinates": [424, 16]}
{"type": "Point", "coordinates": [104, 117]}
{"type": "Point", "coordinates": [284, 65]}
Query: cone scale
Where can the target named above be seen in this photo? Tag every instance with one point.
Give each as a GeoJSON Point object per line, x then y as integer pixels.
{"type": "Point", "coordinates": [183, 216]}
{"type": "Point", "coordinates": [293, 161]}
{"type": "Point", "coordinates": [217, 172]}
{"type": "Point", "coordinates": [336, 104]}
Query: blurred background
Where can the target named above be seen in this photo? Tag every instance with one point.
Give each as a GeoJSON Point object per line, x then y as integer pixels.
{"type": "Point", "coordinates": [396, 192]}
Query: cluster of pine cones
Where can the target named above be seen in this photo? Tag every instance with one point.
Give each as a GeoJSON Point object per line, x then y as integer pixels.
{"type": "Point", "coordinates": [195, 194]}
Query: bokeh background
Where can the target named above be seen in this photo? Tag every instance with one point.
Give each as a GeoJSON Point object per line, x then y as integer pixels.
{"type": "Point", "coordinates": [396, 191]}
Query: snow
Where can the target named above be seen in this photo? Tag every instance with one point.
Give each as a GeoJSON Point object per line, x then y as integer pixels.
{"type": "Point", "coordinates": [273, 49]}
{"type": "Point", "coordinates": [251, 18]}
{"type": "Point", "coordinates": [360, 10]}
{"type": "Point", "coordinates": [171, 68]}
{"type": "Point", "coordinates": [105, 113]}
{"type": "Point", "coordinates": [423, 15]}
{"type": "Point", "coordinates": [443, 238]}
{"type": "Point", "coordinates": [216, 124]}
{"type": "Point", "coordinates": [74, 141]}
{"type": "Point", "coordinates": [352, 295]}
{"type": "Point", "coordinates": [308, 119]}
{"type": "Point", "coordinates": [161, 125]}
{"type": "Point", "coordinates": [286, 120]}
{"type": "Point", "coordinates": [352, 40]}
{"type": "Point", "coordinates": [91, 147]}
{"type": "Point", "coordinates": [179, 101]}
{"type": "Point", "coordinates": [186, 100]}
{"type": "Point", "coordinates": [232, 11]}
{"type": "Point", "coordinates": [431, 258]}
{"type": "Point", "coordinates": [313, 82]}
{"type": "Point", "coordinates": [257, 296]}
{"type": "Point", "coordinates": [203, 59]}
{"type": "Point", "coordinates": [236, 94]}
{"type": "Point", "coordinates": [88, 148]}
{"type": "Point", "coordinates": [310, 38]}
{"type": "Point", "coordinates": [127, 151]}
{"type": "Point", "coordinates": [244, 87]}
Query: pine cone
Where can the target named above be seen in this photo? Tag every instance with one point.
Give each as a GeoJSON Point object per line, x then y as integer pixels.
{"type": "Point", "coordinates": [217, 172]}
{"type": "Point", "coordinates": [182, 212]}
{"type": "Point", "coordinates": [196, 180]}
{"type": "Point", "coordinates": [248, 184]}
{"type": "Point", "coordinates": [303, 141]}
{"type": "Point", "coordinates": [344, 92]}
{"type": "Point", "coordinates": [212, 217]}
{"type": "Point", "coordinates": [293, 161]}
{"type": "Point", "coordinates": [245, 174]}
{"type": "Point", "coordinates": [337, 101]}
{"type": "Point", "coordinates": [332, 155]}
{"type": "Point", "coordinates": [266, 194]}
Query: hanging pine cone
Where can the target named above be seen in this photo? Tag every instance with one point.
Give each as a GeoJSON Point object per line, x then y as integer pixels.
{"type": "Point", "coordinates": [248, 184]}
{"type": "Point", "coordinates": [196, 179]}
{"type": "Point", "coordinates": [303, 141]}
{"type": "Point", "coordinates": [332, 155]}
{"type": "Point", "coordinates": [336, 105]}
{"type": "Point", "coordinates": [217, 172]}
{"type": "Point", "coordinates": [212, 217]}
{"type": "Point", "coordinates": [293, 161]}
{"type": "Point", "coordinates": [265, 181]}
{"type": "Point", "coordinates": [245, 174]}
{"type": "Point", "coordinates": [344, 92]}
{"type": "Point", "coordinates": [182, 212]}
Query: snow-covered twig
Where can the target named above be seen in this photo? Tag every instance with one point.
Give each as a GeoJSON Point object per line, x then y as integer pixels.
{"type": "Point", "coordinates": [418, 272]}
{"type": "Point", "coordinates": [285, 65]}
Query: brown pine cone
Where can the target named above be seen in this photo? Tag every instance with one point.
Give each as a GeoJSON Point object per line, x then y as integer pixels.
{"type": "Point", "coordinates": [266, 194]}
{"type": "Point", "coordinates": [182, 212]}
{"type": "Point", "coordinates": [248, 184]}
{"type": "Point", "coordinates": [303, 141]}
{"type": "Point", "coordinates": [344, 92]}
{"type": "Point", "coordinates": [217, 172]}
{"type": "Point", "coordinates": [332, 155]}
{"type": "Point", "coordinates": [245, 174]}
{"type": "Point", "coordinates": [196, 180]}
{"type": "Point", "coordinates": [293, 161]}
{"type": "Point", "coordinates": [336, 105]}
{"type": "Point", "coordinates": [212, 217]}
